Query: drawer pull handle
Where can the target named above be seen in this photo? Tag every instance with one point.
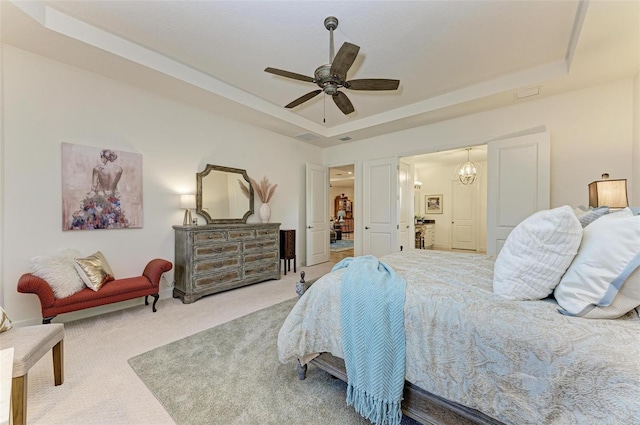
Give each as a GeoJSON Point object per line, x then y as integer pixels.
{"type": "Point", "coordinates": [218, 250]}
{"type": "Point", "coordinates": [210, 236]}
{"type": "Point", "coordinates": [217, 265]}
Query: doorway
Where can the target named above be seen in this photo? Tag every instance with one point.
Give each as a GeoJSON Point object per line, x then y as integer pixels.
{"type": "Point", "coordinates": [459, 223]}
{"type": "Point", "coordinates": [341, 211]}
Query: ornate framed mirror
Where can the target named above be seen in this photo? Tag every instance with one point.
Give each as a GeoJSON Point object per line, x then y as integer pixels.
{"type": "Point", "coordinates": [224, 194]}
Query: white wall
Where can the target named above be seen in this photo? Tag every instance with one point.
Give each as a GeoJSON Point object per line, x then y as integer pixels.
{"type": "Point", "coordinates": [591, 133]}
{"type": "Point", "coordinates": [47, 103]}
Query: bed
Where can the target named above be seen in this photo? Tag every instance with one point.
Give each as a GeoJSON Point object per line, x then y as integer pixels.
{"type": "Point", "coordinates": [475, 357]}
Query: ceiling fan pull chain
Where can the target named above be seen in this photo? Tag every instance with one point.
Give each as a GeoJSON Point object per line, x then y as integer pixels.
{"type": "Point", "coordinates": [324, 109]}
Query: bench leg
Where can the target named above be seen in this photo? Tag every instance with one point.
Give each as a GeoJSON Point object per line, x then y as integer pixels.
{"type": "Point", "coordinates": [155, 300]}
{"type": "Point", "coordinates": [58, 363]}
{"type": "Point", "coordinates": [19, 400]}
{"type": "Point", "coordinates": [47, 320]}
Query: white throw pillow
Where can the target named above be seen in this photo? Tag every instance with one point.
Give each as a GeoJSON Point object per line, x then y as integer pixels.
{"type": "Point", "coordinates": [58, 269]}
{"type": "Point", "coordinates": [536, 254]}
{"type": "Point", "coordinates": [603, 281]}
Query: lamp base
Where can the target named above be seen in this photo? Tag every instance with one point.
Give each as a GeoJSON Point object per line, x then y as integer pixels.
{"type": "Point", "coordinates": [187, 218]}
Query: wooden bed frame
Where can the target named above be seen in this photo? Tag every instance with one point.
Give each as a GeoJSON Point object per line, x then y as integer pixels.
{"type": "Point", "coordinates": [417, 403]}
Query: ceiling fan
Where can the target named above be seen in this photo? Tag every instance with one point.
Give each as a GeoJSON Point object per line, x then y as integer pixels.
{"type": "Point", "coordinates": [333, 76]}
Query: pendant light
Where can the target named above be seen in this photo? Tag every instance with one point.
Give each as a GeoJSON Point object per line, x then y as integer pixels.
{"type": "Point", "coordinates": [467, 171]}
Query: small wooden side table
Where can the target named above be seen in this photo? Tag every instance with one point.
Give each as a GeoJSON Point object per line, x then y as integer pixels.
{"type": "Point", "coordinates": [288, 249]}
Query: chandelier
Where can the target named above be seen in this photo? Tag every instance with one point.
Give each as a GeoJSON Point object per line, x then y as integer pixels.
{"type": "Point", "coordinates": [467, 171]}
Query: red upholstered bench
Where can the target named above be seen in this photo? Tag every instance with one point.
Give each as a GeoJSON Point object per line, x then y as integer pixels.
{"type": "Point", "coordinates": [111, 292]}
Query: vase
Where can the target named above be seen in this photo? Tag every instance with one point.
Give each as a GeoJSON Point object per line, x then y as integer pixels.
{"type": "Point", "coordinates": [265, 212]}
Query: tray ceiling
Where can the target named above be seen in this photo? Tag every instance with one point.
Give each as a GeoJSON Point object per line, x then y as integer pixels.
{"type": "Point", "coordinates": [452, 57]}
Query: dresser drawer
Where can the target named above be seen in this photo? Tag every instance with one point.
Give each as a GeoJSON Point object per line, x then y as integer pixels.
{"type": "Point", "coordinates": [216, 264]}
{"type": "Point", "coordinates": [215, 250]}
{"type": "Point", "coordinates": [249, 259]}
{"type": "Point", "coordinates": [267, 232]}
{"type": "Point", "coordinates": [260, 245]}
{"type": "Point", "coordinates": [239, 235]}
{"type": "Point", "coordinates": [222, 278]}
{"type": "Point", "coordinates": [211, 236]}
{"type": "Point", "coordinates": [259, 269]}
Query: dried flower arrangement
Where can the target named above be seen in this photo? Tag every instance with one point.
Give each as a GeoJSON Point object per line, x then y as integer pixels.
{"type": "Point", "coordinates": [264, 190]}
{"type": "Point", "coordinates": [244, 188]}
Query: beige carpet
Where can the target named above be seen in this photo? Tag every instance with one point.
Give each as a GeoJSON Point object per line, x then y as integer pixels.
{"type": "Point", "coordinates": [100, 387]}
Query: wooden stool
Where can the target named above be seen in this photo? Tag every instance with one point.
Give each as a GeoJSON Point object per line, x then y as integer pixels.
{"type": "Point", "coordinates": [30, 344]}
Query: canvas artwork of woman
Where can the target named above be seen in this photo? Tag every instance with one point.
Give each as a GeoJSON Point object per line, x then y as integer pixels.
{"type": "Point", "coordinates": [101, 208]}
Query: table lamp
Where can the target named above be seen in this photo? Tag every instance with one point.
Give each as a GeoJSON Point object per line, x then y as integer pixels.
{"type": "Point", "coordinates": [187, 202]}
{"type": "Point", "coordinates": [609, 193]}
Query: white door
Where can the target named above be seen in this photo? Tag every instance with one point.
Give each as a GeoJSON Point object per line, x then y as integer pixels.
{"type": "Point", "coordinates": [317, 226]}
{"type": "Point", "coordinates": [380, 207]}
{"type": "Point", "coordinates": [464, 215]}
{"type": "Point", "coordinates": [405, 186]}
{"type": "Point", "coordinates": [518, 184]}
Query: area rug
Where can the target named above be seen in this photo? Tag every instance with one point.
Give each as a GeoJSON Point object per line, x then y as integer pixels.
{"type": "Point", "coordinates": [230, 374]}
{"type": "Point", "coordinates": [341, 245]}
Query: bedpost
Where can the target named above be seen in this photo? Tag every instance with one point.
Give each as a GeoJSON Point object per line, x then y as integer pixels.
{"type": "Point", "coordinates": [302, 371]}
{"type": "Point", "coordinates": [300, 285]}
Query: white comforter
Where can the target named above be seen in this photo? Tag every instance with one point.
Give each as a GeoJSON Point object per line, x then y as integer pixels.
{"type": "Point", "coordinates": [520, 362]}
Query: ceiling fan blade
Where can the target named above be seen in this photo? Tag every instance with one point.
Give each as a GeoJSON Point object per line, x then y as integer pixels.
{"type": "Point", "coordinates": [288, 74]}
{"type": "Point", "coordinates": [373, 84]}
{"type": "Point", "coordinates": [344, 59]}
{"type": "Point", "coordinates": [343, 102]}
{"type": "Point", "coordinates": [303, 99]}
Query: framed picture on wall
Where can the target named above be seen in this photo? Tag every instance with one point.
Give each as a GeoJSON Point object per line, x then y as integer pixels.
{"type": "Point", "coordinates": [101, 188]}
{"type": "Point", "coordinates": [433, 204]}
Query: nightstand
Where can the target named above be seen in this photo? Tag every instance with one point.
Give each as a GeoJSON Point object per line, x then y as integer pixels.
{"type": "Point", "coordinates": [288, 249]}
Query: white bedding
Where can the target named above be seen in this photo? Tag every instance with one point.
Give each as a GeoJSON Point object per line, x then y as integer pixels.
{"type": "Point", "coordinates": [520, 362]}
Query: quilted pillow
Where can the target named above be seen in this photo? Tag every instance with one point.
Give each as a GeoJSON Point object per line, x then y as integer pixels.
{"type": "Point", "coordinates": [603, 281]}
{"type": "Point", "coordinates": [59, 271]}
{"type": "Point", "coordinates": [5, 322]}
{"type": "Point", "coordinates": [536, 254]}
{"type": "Point", "coordinates": [94, 270]}
{"type": "Point", "coordinates": [589, 216]}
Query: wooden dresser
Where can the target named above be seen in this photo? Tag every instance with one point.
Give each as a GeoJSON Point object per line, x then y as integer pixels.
{"type": "Point", "coordinates": [218, 257]}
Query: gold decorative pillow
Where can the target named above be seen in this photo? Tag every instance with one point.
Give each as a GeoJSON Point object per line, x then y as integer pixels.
{"type": "Point", "coordinates": [5, 323]}
{"type": "Point", "coordinates": [94, 270]}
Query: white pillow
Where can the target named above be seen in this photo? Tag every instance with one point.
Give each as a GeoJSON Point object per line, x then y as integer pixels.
{"type": "Point", "coordinates": [603, 281]}
{"type": "Point", "coordinates": [58, 269]}
{"type": "Point", "coordinates": [536, 254]}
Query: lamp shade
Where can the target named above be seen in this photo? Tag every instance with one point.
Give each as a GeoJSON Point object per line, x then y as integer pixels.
{"type": "Point", "coordinates": [187, 201]}
{"type": "Point", "coordinates": [609, 193]}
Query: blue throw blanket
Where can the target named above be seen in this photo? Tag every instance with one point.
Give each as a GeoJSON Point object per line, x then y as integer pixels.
{"type": "Point", "coordinates": [372, 320]}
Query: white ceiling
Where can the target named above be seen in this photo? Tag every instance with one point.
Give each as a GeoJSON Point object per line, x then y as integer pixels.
{"type": "Point", "coordinates": [451, 57]}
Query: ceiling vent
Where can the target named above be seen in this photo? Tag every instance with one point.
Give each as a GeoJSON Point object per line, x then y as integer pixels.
{"type": "Point", "coordinates": [528, 93]}
{"type": "Point", "coordinates": [305, 137]}
{"type": "Point", "coordinates": [345, 138]}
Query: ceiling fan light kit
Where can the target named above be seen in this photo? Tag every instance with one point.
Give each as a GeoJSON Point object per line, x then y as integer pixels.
{"type": "Point", "coordinates": [333, 76]}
